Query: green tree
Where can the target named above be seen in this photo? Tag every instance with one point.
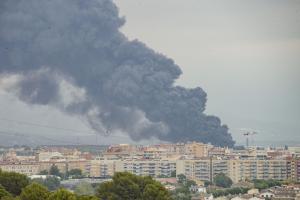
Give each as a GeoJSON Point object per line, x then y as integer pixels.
{"type": "Point", "coordinates": [182, 196]}
{"type": "Point", "coordinates": [155, 191]}
{"type": "Point", "coordinates": [181, 178]}
{"type": "Point", "coordinates": [182, 193]}
{"type": "Point", "coordinates": [173, 173]}
{"type": "Point", "coordinates": [76, 173]}
{"type": "Point", "coordinates": [10, 198]}
{"type": "Point", "coordinates": [260, 184]}
{"type": "Point", "coordinates": [106, 191]}
{"type": "Point", "coordinates": [44, 172]}
{"type": "Point", "coordinates": [13, 182]}
{"type": "Point", "coordinates": [162, 176]}
{"type": "Point", "coordinates": [207, 183]}
{"type": "Point", "coordinates": [84, 188]}
{"type": "Point", "coordinates": [232, 191]}
{"type": "Point", "coordinates": [222, 180]}
{"type": "Point", "coordinates": [51, 182]}
{"type": "Point", "coordinates": [62, 194]}
{"type": "Point", "coordinates": [189, 183]}
{"type": "Point", "coordinates": [127, 186]}
{"type": "Point", "coordinates": [34, 191]}
{"type": "Point", "coordinates": [3, 192]}
{"type": "Point", "coordinates": [54, 171]}
{"type": "Point", "coordinates": [264, 184]}
{"type": "Point", "coordinates": [84, 197]}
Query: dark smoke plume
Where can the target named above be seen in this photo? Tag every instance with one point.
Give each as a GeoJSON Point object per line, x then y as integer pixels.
{"type": "Point", "coordinates": [70, 54]}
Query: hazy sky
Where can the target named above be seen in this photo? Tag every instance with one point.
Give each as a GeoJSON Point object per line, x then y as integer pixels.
{"type": "Point", "coordinates": [244, 54]}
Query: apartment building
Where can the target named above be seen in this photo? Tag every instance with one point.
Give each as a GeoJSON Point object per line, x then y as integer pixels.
{"type": "Point", "coordinates": [177, 148]}
{"type": "Point", "coordinates": [83, 165]}
{"type": "Point", "coordinates": [64, 166]}
{"type": "Point", "coordinates": [202, 169]}
{"type": "Point", "coordinates": [198, 150]}
{"type": "Point", "coordinates": [46, 165]}
{"type": "Point", "coordinates": [217, 151]}
{"type": "Point", "coordinates": [154, 168]}
{"type": "Point", "coordinates": [154, 153]}
{"type": "Point", "coordinates": [236, 169]}
{"type": "Point", "coordinates": [102, 168]}
{"type": "Point", "coordinates": [19, 167]}
{"type": "Point", "coordinates": [196, 169]}
{"type": "Point", "coordinates": [249, 169]}
{"type": "Point", "coordinates": [293, 169]}
{"type": "Point", "coordinates": [219, 166]}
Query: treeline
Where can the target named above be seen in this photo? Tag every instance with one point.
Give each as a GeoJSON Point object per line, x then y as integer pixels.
{"type": "Point", "coordinates": [224, 182]}
{"type": "Point", "coordinates": [258, 184]}
{"type": "Point", "coordinates": [264, 184]}
{"type": "Point", "coordinates": [230, 191]}
{"type": "Point", "coordinates": [125, 186]}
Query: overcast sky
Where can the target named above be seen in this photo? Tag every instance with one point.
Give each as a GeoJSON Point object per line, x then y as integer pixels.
{"type": "Point", "coordinates": [244, 54]}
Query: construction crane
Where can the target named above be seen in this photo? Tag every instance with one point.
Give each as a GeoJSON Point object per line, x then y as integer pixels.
{"type": "Point", "coordinates": [247, 135]}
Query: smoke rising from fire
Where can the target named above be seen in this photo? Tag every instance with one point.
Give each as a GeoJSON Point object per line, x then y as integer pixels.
{"type": "Point", "coordinates": [71, 55]}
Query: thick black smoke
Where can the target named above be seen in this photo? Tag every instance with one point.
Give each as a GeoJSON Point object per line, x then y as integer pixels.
{"type": "Point", "coordinates": [126, 86]}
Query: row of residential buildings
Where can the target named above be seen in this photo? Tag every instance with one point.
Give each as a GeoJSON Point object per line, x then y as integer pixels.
{"type": "Point", "coordinates": [199, 162]}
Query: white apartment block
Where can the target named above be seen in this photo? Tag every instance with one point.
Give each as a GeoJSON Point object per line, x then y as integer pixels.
{"type": "Point", "coordinates": [153, 168]}
{"type": "Point", "coordinates": [240, 170]}
{"type": "Point", "coordinates": [236, 169]}
{"type": "Point", "coordinates": [202, 169]}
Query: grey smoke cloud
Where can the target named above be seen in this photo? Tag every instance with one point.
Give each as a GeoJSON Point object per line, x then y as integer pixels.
{"type": "Point", "coordinates": [39, 87]}
{"type": "Point", "coordinates": [124, 85]}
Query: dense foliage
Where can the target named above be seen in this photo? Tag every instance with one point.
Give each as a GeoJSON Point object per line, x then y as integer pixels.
{"type": "Point", "coordinates": [123, 186]}
{"type": "Point", "coordinates": [75, 173]}
{"type": "Point", "coordinates": [62, 194]}
{"type": "Point", "coordinates": [182, 191]}
{"type": "Point", "coordinates": [264, 184]}
{"type": "Point", "coordinates": [221, 180]}
{"type": "Point", "coordinates": [51, 182]}
{"type": "Point", "coordinates": [55, 171]}
{"type": "Point", "coordinates": [230, 191]}
{"type": "Point", "coordinates": [84, 197]}
{"type": "Point", "coordinates": [34, 191]}
{"type": "Point", "coordinates": [13, 182]}
{"type": "Point", "coordinates": [127, 186]}
{"type": "Point", "coordinates": [84, 188]}
{"type": "Point", "coordinates": [3, 192]}
{"type": "Point", "coordinates": [44, 172]}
